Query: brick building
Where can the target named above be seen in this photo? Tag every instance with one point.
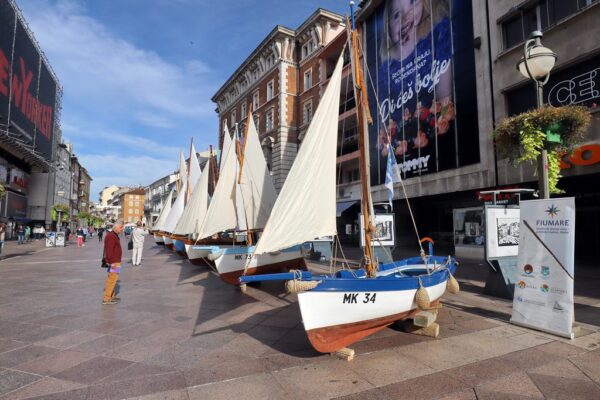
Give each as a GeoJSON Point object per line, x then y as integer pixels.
{"type": "Point", "coordinates": [132, 205]}
{"type": "Point", "coordinates": [281, 80]}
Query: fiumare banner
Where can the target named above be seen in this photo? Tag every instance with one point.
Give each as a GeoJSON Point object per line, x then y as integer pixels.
{"type": "Point", "coordinates": [544, 286]}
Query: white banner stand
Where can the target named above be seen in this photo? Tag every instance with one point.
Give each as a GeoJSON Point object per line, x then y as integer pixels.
{"type": "Point", "coordinates": [543, 297]}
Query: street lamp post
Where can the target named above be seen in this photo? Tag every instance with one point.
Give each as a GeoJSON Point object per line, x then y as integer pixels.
{"type": "Point", "coordinates": [536, 63]}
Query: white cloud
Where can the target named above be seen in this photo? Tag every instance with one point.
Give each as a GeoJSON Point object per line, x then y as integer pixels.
{"type": "Point", "coordinates": [97, 67]}
{"type": "Point", "coordinates": [125, 170]}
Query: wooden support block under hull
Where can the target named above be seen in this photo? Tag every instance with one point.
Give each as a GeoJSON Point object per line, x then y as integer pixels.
{"type": "Point", "coordinates": [424, 318]}
{"type": "Point", "coordinates": [345, 354]}
{"type": "Point", "coordinates": [432, 330]}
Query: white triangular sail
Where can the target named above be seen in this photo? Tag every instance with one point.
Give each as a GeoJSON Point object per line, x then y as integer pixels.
{"type": "Point", "coordinates": [256, 184]}
{"type": "Point", "coordinates": [195, 171]}
{"type": "Point", "coordinates": [195, 210]}
{"type": "Point", "coordinates": [306, 207]}
{"type": "Point", "coordinates": [176, 210]}
{"type": "Point", "coordinates": [226, 143]}
{"type": "Point", "coordinates": [221, 214]}
{"type": "Point", "coordinates": [160, 221]}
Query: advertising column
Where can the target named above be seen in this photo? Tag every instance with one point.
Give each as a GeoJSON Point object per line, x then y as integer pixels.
{"type": "Point", "coordinates": [544, 289]}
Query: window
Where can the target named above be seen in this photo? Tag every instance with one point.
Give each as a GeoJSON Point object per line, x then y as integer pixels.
{"type": "Point", "coordinates": [130, 203]}
{"type": "Point", "coordinates": [137, 196]}
{"type": "Point", "coordinates": [233, 117]}
{"type": "Point", "coordinates": [137, 203]}
{"type": "Point", "coordinates": [130, 211]}
{"type": "Point", "coordinates": [269, 120]}
{"type": "Point", "coordinates": [540, 16]}
{"type": "Point", "coordinates": [136, 211]}
{"type": "Point", "coordinates": [244, 110]}
{"type": "Point", "coordinates": [255, 100]}
{"type": "Point", "coordinates": [270, 88]}
{"type": "Point", "coordinates": [308, 48]}
{"type": "Point", "coordinates": [256, 121]}
{"type": "Point", "coordinates": [308, 79]}
{"type": "Point", "coordinates": [307, 114]}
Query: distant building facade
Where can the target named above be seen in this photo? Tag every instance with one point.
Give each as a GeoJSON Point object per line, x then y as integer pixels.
{"type": "Point", "coordinates": [132, 205]}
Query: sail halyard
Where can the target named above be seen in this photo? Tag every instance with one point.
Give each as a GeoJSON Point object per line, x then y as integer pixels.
{"type": "Point", "coordinates": [306, 206]}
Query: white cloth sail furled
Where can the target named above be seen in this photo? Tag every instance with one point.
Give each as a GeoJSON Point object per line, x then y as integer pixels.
{"type": "Point", "coordinates": [256, 184]}
{"type": "Point", "coordinates": [221, 214]}
{"type": "Point", "coordinates": [195, 170]}
{"type": "Point", "coordinates": [195, 210]}
{"type": "Point", "coordinates": [160, 221]}
{"type": "Point", "coordinates": [179, 204]}
{"type": "Point", "coordinates": [176, 210]}
{"type": "Point", "coordinates": [306, 207]}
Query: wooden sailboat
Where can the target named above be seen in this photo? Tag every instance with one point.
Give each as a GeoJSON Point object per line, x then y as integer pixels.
{"type": "Point", "coordinates": [178, 205]}
{"type": "Point", "coordinates": [247, 183]}
{"type": "Point", "coordinates": [179, 235]}
{"type": "Point", "coordinates": [340, 309]}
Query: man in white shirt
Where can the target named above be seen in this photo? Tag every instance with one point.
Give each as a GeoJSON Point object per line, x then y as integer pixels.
{"type": "Point", "coordinates": [137, 237]}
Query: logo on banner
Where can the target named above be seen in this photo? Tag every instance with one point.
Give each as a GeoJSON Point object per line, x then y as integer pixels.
{"type": "Point", "coordinates": [528, 269]}
{"type": "Point", "coordinates": [557, 307]}
{"type": "Point", "coordinates": [545, 271]}
{"type": "Point", "coordinates": [552, 211]}
{"type": "Point", "coordinates": [545, 288]}
{"type": "Point", "coordinates": [521, 284]}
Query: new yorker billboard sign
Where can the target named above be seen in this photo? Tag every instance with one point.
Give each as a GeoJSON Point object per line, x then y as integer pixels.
{"type": "Point", "coordinates": [27, 88]}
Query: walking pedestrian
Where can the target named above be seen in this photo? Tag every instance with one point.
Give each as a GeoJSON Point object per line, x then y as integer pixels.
{"type": "Point", "coordinates": [20, 234]}
{"type": "Point", "coordinates": [27, 233]}
{"type": "Point", "coordinates": [2, 235]}
{"type": "Point", "coordinates": [67, 233]}
{"type": "Point", "coordinates": [137, 237]}
{"type": "Point", "coordinates": [42, 232]}
{"type": "Point", "coordinates": [79, 234]}
{"type": "Point", "coordinates": [100, 233]}
{"type": "Point", "coordinates": [112, 256]}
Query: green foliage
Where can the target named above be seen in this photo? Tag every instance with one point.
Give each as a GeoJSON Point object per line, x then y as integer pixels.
{"type": "Point", "coordinates": [523, 137]}
{"type": "Point", "coordinates": [2, 191]}
{"type": "Point", "coordinates": [59, 207]}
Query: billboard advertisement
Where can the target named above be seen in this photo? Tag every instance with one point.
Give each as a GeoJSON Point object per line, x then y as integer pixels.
{"type": "Point", "coordinates": [27, 88]}
{"type": "Point", "coordinates": [419, 52]}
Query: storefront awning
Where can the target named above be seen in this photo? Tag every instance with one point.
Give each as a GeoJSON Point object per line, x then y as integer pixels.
{"type": "Point", "coordinates": [343, 206]}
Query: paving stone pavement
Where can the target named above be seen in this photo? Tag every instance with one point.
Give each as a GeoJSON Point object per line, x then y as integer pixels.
{"type": "Point", "coordinates": [180, 333]}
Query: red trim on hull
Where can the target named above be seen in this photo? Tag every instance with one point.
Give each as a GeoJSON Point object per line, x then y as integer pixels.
{"type": "Point", "coordinates": [233, 277]}
{"type": "Point", "coordinates": [333, 338]}
{"type": "Point", "coordinates": [169, 246]}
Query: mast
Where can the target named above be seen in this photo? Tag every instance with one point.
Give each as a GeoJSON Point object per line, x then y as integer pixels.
{"type": "Point", "coordinates": [363, 115]}
{"type": "Point", "coordinates": [213, 171]}
{"type": "Point", "coordinates": [241, 152]}
{"type": "Point", "coordinates": [189, 167]}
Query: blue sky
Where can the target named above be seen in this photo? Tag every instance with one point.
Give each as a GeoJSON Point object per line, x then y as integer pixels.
{"type": "Point", "coordinates": [138, 75]}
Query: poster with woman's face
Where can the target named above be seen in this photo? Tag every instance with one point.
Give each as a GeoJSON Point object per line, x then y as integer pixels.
{"type": "Point", "coordinates": [411, 58]}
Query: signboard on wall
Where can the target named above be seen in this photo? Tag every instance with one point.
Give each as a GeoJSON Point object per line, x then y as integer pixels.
{"type": "Point", "coordinates": [15, 205]}
{"type": "Point", "coordinates": [502, 232]}
{"type": "Point", "coordinates": [384, 230]}
{"type": "Point", "coordinates": [417, 53]}
{"type": "Point", "coordinates": [543, 297]}
{"type": "Point", "coordinates": [27, 88]}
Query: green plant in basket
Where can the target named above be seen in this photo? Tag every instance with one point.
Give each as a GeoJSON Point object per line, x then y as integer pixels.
{"type": "Point", "coordinates": [556, 129]}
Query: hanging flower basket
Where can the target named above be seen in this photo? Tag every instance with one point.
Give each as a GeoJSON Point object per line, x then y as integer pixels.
{"type": "Point", "coordinates": [556, 129]}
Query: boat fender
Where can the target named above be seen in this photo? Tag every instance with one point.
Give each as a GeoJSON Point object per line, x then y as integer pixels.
{"type": "Point", "coordinates": [214, 256]}
{"type": "Point", "coordinates": [422, 297]}
{"type": "Point", "coordinates": [297, 286]}
{"type": "Point", "coordinates": [452, 284]}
